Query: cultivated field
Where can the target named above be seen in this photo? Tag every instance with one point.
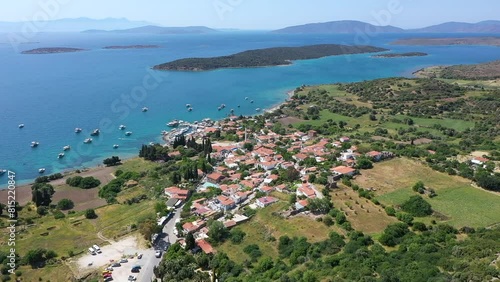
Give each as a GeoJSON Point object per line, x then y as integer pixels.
{"type": "Point", "coordinates": [362, 213]}
{"type": "Point", "coordinates": [458, 202]}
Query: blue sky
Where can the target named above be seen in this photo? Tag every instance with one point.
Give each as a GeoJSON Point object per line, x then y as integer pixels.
{"type": "Point", "coordinates": [261, 14]}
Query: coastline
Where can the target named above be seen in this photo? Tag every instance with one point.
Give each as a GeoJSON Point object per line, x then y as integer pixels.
{"type": "Point", "coordinates": [23, 191]}
{"type": "Point", "coordinates": [289, 94]}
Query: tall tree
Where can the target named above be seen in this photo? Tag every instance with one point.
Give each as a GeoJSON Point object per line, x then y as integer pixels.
{"type": "Point", "coordinates": [41, 194]}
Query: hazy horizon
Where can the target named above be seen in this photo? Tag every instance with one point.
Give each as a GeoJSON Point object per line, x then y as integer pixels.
{"type": "Point", "coordinates": [256, 14]}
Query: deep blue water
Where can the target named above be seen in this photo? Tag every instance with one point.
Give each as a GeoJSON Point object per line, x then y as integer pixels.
{"type": "Point", "coordinates": [52, 94]}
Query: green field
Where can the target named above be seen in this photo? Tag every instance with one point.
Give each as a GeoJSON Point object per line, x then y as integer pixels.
{"type": "Point", "coordinates": [265, 225]}
{"type": "Point", "coordinates": [460, 203]}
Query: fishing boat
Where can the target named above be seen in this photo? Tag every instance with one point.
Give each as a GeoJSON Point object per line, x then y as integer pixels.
{"type": "Point", "coordinates": [21, 125]}
{"type": "Point", "coordinates": [251, 101]}
{"type": "Point", "coordinates": [128, 133]}
{"type": "Point", "coordinates": [246, 98]}
{"type": "Point", "coordinates": [41, 170]}
{"type": "Point", "coordinates": [34, 144]}
{"type": "Point", "coordinates": [145, 109]}
{"type": "Point", "coordinates": [61, 155]}
{"type": "Point", "coordinates": [96, 132]}
{"type": "Point", "coordinates": [188, 105]}
{"type": "Point", "coordinates": [78, 130]}
{"type": "Point", "coordinates": [190, 109]}
{"type": "Point", "coordinates": [66, 148]}
{"type": "Point", "coordinates": [122, 127]}
{"type": "Point", "coordinates": [115, 146]}
{"type": "Point", "coordinates": [2, 171]}
{"type": "Point", "coordinates": [87, 141]}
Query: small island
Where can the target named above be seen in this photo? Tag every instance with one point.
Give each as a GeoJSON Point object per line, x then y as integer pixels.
{"type": "Point", "coordinates": [400, 55]}
{"type": "Point", "coordinates": [278, 56]}
{"type": "Point", "coordinates": [52, 50]}
{"type": "Point", "coordinates": [488, 40]}
{"type": "Point", "coordinates": [132, 47]}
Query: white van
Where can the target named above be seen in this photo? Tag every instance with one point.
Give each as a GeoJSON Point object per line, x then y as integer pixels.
{"type": "Point", "coordinates": [92, 251]}
{"type": "Point", "coordinates": [97, 249]}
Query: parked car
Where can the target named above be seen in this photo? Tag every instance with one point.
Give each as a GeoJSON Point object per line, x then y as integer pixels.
{"type": "Point", "coordinates": [158, 253]}
{"type": "Point", "coordinates": [92, 251]}
{"type": "Point", "coordinates": [97, 249]}
{"type": "Point", "coordinates": [132, 278]}
{"type": "Point", "coordinates": [139, 256]}
{"type": "Point", "coordinates": [108, 279]}
{"type": "Point", "coordinates": [124, 260]}
{"type": "Point", "coordinates": [109, 268]}
{"type": "Point", "coordinates": [116, 264]}
{"type": "Point", "coordinates": [136, 268]}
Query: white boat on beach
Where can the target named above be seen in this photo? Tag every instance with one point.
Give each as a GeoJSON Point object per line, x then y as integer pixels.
{"type": "Point", "coordinates": [34, 144]}
{"type": "Point", "coordinates": [258, 109]}
{"type": "Point", "coordinates": [87, 141]}
{"type": "Point", "coordinates": [66, 148]}
{"type": "Point", "coordinates": [41, 170]}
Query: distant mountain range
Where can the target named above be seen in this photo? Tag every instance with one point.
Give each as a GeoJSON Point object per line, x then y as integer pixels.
{"type": "Point", "coordinates": [357, 27]}
{"type": "Point", "coordinates": [153, 29]}
{"type": "Point", "coordinates": [123, 25]}
{"type": "Point", "coordinates": [73, 25]}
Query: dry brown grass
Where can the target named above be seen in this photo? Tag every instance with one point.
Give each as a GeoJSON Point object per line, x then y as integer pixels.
{"type": "Point", "coordinates": [362, 213]}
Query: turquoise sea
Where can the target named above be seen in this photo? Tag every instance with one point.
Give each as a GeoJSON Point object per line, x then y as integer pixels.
{"type": "Point", "coordinates": [52, 94]}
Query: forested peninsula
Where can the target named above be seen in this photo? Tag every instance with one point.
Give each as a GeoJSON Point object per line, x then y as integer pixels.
{"type": "Point", "coordinates": [276, 56]}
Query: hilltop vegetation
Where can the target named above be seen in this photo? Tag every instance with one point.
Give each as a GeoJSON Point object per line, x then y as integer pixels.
{"type": "Point", "coordinates": [266, 57]}
{"type": "Point", "coordinates": [485, 71]}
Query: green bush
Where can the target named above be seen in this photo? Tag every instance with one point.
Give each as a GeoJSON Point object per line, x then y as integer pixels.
{"type": "Point", "coordinates": [417, 207]}
{"type": "Point", "coordinates": [65, 204]}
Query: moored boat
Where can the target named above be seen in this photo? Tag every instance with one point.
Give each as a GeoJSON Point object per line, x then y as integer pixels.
{"type": "Point", "coordinates": [122, 127]}
{"type": "Point", "coordinates": [78, 130]}
{"type": "Point", "coordinates": [87, 141]}
{"type": "Point", "coordinates": [128, 133]}
{"type": "Point", "coordinates": [173, 123]}
{"type": "Point", "coordinates": [145, 109]}
{"type": "Point", "coordinates": [34, 144]}
{"type": "Point", "coordinates": [115, 146]}
{"type": "Point", "coordinates": [41, 170]}
{"type": "Point", "coordinates": [21, 125]}
{"type": "Point", "coordinates": [66, 148]}
{"type": "Point", "coordinates": [61, 155]}
{"type": "Point", "coordinates": [2, 171]}
{"type": "Point", "coordinates": [96, 132]}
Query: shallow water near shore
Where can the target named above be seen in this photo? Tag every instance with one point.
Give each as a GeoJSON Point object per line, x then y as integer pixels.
{"type": "Point", "coordinates": [98, 88]}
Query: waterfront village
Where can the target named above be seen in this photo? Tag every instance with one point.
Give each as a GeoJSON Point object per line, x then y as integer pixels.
{"type": "Point", "coordinates": [238, 192]}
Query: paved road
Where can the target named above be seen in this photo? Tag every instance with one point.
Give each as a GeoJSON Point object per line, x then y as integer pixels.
{"type": "Point", "coordinates": [147, 263]}
{"type": "Point", "coordinates": [168, 229]}
{"type": "Point", "coordinates": [150, 261]}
